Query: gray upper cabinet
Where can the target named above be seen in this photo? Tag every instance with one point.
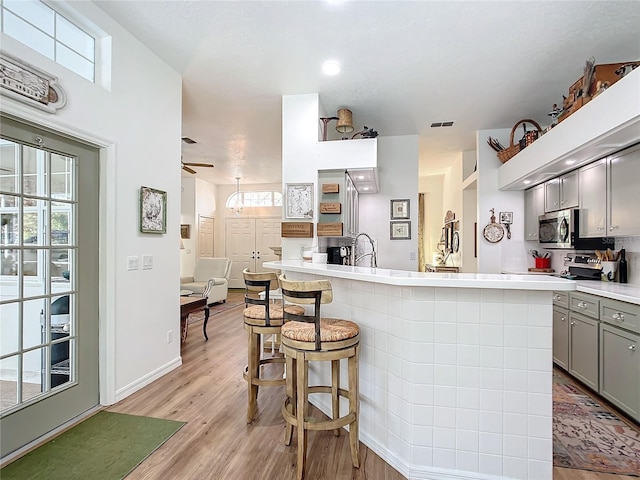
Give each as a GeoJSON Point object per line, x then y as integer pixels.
{"type": "Point", "coordinates": [593, 199]}
{"type": "Point", "coordinates": [533, 208]}
{"type": "Point", "coordinates": [622, 195]}
{"type": "Point", "coordinates": [561, 192]}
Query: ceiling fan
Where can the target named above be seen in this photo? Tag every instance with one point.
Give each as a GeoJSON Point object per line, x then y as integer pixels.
{"type": "Point", "coordinates": [186, 166]}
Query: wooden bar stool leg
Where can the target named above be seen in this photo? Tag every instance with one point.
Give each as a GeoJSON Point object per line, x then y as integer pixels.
{"type": "Point", "coordinates": [354, 407]}
{"type": "Point", "coordinates": [253, 367]}
{"type": "Point", "coordinates": [291, 394]}
{"type": "Point", "coordinates": [335, 397]}
{"type": "Point", "coordinates": [301, 363]}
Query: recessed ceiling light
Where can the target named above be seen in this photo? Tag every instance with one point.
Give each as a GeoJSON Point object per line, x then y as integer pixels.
{"type": "Point", "coordinates": [360, 177]}
{"type": "Point", "coordinates": [330, 67]}
{"type": "Point", "coordinates": [527, 182]}
{"type": "Point", "coordinates": [570, 162]}
{"type": "Point", "coordinates": [365, 188]}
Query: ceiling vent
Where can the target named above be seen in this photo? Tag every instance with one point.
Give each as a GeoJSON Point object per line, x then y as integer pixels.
{"type": "Point", "coordinates": [441, 124]}
{"type": "Point", "coordinates": [188, 140]}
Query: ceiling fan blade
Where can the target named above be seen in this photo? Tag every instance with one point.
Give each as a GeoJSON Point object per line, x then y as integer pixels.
{"type": "Point", "coordinates": [198, 164]}
{"type": "Point", "coordinates": [190, 170]}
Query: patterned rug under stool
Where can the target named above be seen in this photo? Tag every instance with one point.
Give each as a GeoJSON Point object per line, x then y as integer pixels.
{"type": "Point", "coordinates": [590, 436]}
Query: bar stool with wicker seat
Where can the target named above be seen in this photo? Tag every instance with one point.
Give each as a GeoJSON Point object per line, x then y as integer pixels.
{"type": "Point", "coordinates": [261, 318]}
{"type": "Point", "coordinates": [308, 338]}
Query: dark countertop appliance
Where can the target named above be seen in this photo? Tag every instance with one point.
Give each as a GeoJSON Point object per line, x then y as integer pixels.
{"type": "Point", "coordinates": [561, 229]}
{"type": "Point", "coordinates": [338, 255]}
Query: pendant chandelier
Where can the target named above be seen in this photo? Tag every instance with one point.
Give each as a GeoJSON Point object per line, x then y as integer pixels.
{"type": "Point", "coordinates": [237, 209]}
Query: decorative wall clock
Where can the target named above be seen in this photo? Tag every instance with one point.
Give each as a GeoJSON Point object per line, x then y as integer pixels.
{"type": "Point", "coordinates": [493, 232]}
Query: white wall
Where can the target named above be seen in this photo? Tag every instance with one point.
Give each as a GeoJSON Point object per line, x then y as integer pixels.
{"type": "Point", "coordinates": [396, 157]}
{"type": "Point", "coordinates": [506, 254]}
{"type": "Point", "coordinates": [137, 122]}
{"type": "Point", "coordinates": [398, 179]}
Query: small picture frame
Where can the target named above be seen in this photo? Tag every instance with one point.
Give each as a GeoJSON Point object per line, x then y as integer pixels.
{"type": "Point", "coordinates": [153, 210]}
{"type": "Point", "coordinates": [298, 200]}
{"type": "Point", "coordinates": [185, 231]}
{"type": "Point", "coordinates": [506, 217]}
{"type": "Point", "coordinates": [400, 230]}
{"type": "Point", "coordinates": [400, 209]}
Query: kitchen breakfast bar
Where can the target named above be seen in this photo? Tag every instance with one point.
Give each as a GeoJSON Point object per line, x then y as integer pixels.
{"type": "Point", "coordinates": [455, 369]}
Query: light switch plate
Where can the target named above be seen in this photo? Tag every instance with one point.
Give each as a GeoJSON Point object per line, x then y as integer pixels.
{"type": "Point", "coordinates": [133, 263]}
{"type": "Point", "coordinates": [147, 262]}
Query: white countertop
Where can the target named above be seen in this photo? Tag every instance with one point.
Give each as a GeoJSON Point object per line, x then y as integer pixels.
{"type": "Point", "coordinates": [616, 291]}
{"type": "Point", "coordinates": [422, 279]}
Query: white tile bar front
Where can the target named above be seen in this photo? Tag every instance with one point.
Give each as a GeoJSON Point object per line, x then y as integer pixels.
{"type": "Point", "coordinates": [455, 369]}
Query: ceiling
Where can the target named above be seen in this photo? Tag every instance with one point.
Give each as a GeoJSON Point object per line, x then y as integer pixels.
{"type": "Point", "coordinates": [405, 65]}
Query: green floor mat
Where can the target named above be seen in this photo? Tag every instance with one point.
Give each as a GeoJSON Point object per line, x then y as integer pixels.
{"type": "Point", "coordinates": [106, 446]}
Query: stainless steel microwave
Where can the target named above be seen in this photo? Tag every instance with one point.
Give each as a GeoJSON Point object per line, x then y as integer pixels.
{"type": "Point", "coordinates": [561, 229]}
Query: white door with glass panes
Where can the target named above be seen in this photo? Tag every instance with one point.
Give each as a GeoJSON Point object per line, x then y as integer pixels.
{"type": "Point", "coordinates": [49, 192]}
{"type": "Point", "coordinates": [247, 245]}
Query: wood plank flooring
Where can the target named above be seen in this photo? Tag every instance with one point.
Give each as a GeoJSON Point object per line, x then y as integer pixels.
{"type": "Point", "coordinates": [209, 393]}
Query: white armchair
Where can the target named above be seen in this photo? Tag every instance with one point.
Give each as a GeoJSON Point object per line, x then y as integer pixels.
{"type": "Point", "coordinates": [210, 278]}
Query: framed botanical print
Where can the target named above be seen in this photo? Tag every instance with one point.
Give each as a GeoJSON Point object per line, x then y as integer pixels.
{"type": "Point", "coordinates": [298, 200]}
{"type": "Point", "coordinates": [400, 230]}
{"type": "Point", "coordinates": [153, 210]}
{"type": "Point", "coordinates": [400, 209]}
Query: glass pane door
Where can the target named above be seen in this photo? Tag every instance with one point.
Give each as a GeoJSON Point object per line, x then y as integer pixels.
{"type": "Point", "coordinates": [40, 304]}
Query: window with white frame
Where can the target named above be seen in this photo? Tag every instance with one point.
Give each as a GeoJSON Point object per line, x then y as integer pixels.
{"type": "Point", "coordinates": [48, 32]}
{"type": "Point", "coordinates": [255, 199]}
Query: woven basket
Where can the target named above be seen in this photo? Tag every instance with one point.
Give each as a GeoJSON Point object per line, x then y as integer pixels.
{"type": "Point", "coordinates": [511, 150]}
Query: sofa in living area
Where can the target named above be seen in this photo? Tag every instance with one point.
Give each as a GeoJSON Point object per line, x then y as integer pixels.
{"type": "Point", "coordinates": [210, 278]}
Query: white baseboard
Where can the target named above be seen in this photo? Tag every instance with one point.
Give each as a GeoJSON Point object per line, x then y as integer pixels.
{"type": "Point", "coordinates": [151, 377]}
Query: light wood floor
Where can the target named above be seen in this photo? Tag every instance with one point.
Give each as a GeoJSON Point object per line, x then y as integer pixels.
{"type": "Point", "coordinates": [209, 393]}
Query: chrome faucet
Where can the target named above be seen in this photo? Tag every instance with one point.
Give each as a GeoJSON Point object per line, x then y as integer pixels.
{"type": "Point", "coordinates": [372, 254]}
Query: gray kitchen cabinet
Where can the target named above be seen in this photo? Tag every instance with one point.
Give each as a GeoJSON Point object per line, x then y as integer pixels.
{"type": "Point", "coordinates": [622, 194]}
{"type": "Point", "coordinates": [620, 314]}
{"type": "Point", "coordinates": [561, 337]}
{"type": "Point", "coordinates": [620, 368]}
{"type": "Point", "coordinates": [533, 208]}
{"type": "Point", "coordinates": [561, 192]}
{"type": "Point", "coordinates": [583, 349]}
{"type": "Point", "coordinates": [584, 304]}
{"type": "Point", "coordinates": [593, 199]}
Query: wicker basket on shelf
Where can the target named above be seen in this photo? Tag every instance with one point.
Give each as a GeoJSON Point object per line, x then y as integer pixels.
{"type": "Point", "coordinates": [513, 149]}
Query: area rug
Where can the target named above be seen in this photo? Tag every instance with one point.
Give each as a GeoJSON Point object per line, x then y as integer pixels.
{"type": "Point", "coordinates": [217, 308]}
{"type": "Point", "coordinates": [106, 446]}
{"type": "Point", "coordinates": [588, 435]}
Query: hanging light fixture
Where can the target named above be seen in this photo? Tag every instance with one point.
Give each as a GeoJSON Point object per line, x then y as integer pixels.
{"type": "Point", "coordinates": [237, 209]}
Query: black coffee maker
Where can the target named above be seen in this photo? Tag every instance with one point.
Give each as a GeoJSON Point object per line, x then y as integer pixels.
{"type": "Point", "coordinates": [333, 256]}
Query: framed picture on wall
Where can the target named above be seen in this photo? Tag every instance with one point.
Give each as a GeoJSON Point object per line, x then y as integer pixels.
{"type": "Point", "coordinates": [400, 230]}
{"type": "Point", "coordinates": [185, 231]}
{"type": "Point", "coordinates": [400, 209]}
{"type": "Point", "coordinates": [298, 200]}
{"type": "Point", "coordinates": [153, 210]}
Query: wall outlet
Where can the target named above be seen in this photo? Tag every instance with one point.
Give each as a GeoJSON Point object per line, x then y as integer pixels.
{"type": "Point", "coordinates": [170, 336]}
{"type": "Point", "coordinates": [412, 255]}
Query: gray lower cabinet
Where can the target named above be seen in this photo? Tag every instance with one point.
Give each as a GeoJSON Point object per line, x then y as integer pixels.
{"type": "Point", "coordinates": [561, 337]}
{"type": "Point", "coordinates": [620, 368]}
{"type": "Point", "coordinates": [583, 349]}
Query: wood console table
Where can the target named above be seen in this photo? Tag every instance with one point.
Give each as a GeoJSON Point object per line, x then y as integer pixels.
{"type": "Point", "coordinates": [189, 305]}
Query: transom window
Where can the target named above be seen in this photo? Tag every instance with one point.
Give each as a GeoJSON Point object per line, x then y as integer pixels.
{"type": "Point", "coordinates": [255, 199]}
{"type": "Point", "coordinates": [46, 31]}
